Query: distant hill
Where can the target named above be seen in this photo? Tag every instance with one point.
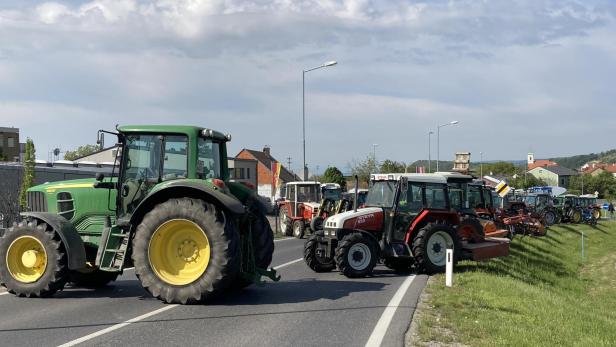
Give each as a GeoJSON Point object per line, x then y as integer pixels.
{"type": "Point", "coordinates": [576, 161]}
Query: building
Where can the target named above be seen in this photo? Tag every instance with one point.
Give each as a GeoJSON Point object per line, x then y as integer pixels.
{"type": "Point", "coordinates": [243, 170]}
{"type": "Point", "coordinates": [533, 163]}
{"type": "Point", "coordinates": [10, 148]}
{"type": "Point", "coordinates": [462, 162]}
{"type": "Point", "coordinates": [264, 170]}
{"type": "Point", "coordinates": [553, 175]}
{"type": "Point", "coordinates": [105, 155]}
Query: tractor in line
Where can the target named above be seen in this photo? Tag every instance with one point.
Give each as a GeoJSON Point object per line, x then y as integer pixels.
{"type": "Point", "coordinates": [169, 210]}
{"type": "Point", "coordinates": [408, 221]}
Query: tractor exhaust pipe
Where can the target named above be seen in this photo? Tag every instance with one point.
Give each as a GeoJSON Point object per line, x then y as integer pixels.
{"type": "Point", "coordinates": [356, 193]}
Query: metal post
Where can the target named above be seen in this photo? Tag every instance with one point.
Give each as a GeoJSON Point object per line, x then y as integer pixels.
{"type": "Point", "coordinates": [438, 145]}
{"type": "Point", "coordinates": [304, 122]}
{"type": "Point", "coordinates": [481, 165]}
{"type": "Point", "coordinates": [429, 152]}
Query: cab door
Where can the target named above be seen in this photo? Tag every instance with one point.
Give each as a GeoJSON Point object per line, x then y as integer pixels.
{"type": "Point", "coordinates": [410, 204]}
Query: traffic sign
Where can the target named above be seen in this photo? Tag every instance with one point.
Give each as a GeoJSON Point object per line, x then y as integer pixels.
{"type": "Point", "coordinates": [502, 188]}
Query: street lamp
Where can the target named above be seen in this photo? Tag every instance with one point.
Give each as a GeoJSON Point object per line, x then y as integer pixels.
{"type": "Point", "coordinates": [438, 140]}
{"type": "Point", "coordinates": [326, 64]}
{"type": "Point", "coordinates": [374, 155]}
{"type": "Point", "coordinates": [481, 165]}
{"type": "Point", "coordinates": [430, 133]}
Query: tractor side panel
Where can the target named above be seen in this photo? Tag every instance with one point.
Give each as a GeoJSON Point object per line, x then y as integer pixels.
{"type": "Point", "coordinates": [429, 216]}
{"type": "Point", "coordinates": [71, 240]}
{"type": "Point", "coordinates": [370, 221]}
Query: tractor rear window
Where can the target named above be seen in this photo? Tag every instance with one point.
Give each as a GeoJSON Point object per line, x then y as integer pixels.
{"type": "Point", "coordinates": [435, 196]}
{"type": "Point", "coordinates": [208, 164]}
{"type": "Point", "coordinates": [176, 158]}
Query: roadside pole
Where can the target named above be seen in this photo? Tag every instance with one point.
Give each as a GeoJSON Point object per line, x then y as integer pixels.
{"type": "Point", "coordinates": [449, 268]}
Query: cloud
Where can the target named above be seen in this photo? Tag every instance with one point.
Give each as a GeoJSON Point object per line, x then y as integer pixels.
{"type": "Point", "coordinates": [516, 74]}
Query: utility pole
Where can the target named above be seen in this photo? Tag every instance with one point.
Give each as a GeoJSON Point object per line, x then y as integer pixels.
{"type": "Point", "coordinates": [289, 163]}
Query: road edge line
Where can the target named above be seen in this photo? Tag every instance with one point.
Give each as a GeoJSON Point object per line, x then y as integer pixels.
{"type": "Point", "coordinates": [284, 239]}
{"type": "Point", "coordinates": [380, 329]}
{"type": "Point", "coordinates": [4, 293]}
{"type": "Point", "coordinates": [139, 318]}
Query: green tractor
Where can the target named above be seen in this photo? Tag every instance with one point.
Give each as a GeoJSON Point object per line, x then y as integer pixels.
{"type": "Point", "coordinates": [171, 213]}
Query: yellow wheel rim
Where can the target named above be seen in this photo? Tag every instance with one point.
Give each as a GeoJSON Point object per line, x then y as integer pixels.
{"type": "Point", "coordinates": [26, 259]}
{"type": "Point", "coordinates": [179, 252]}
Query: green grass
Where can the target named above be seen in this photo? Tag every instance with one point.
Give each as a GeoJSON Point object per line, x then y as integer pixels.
{"type": "Point", "coordinates": [543, 294]}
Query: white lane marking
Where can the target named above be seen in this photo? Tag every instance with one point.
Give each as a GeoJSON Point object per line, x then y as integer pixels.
{"type": "Point", "coordinates": [4, 293]}
{"type": "Point", "coordinates": [116, 326]}
{"type": "Point", "coordinates": [129, 268]}
{"type": "Point", "coordinates": [289, 263]}
{"type": "Point", "coordinates": [140, 318]}
{"type": "Point", "coordinates": [286, 238]}
{"type": "Point", "coordinates": [376, 338]}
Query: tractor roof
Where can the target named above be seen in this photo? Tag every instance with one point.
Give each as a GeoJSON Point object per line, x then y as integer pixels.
{"type": "Point", "coordinates": [305, 183]}
{"type": "Point", "coordinates": [169, 129]}
{"type": "Point", "coordinates": [412, 177]}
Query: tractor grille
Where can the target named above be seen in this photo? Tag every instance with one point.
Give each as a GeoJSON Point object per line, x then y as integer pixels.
{"type": "Point", "coordinates": [37, 202]}
{"type": "Point", "coordinates": [66, 206]}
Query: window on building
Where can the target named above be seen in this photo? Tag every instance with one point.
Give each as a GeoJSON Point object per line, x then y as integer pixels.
{"type": "Point", "coordinates": [247, 173]}
{"type": "Point", "coordinates": [11, 142]}
{"type": "Point", "coordinates": [1, 140]}
{"type": "Point", "coordinates": [238, 173]}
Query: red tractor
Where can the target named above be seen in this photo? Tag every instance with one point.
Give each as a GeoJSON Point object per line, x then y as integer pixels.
{"type": "Point", "coordinates": [407, 221]}
{"type": "Point", "coordinates": [300, 205]}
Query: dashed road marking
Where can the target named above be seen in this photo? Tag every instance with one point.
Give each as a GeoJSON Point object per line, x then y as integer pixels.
{"type": "Point", "coordinates": [376, 338]}
{"type": "Point", "coordinates": [286, 238]}
{"type": "Point", "coordinates": [140, 318]}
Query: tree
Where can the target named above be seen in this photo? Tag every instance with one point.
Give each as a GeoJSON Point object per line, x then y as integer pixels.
{"type": "Point", "coordinates": [333, 175]}
{"type": "Point", "coordinates": [28, 181]}
{"type": "Point", "coordinates": [603, 183]}
{"type": "Point", "coordinates": [499, 168]}
{"type": "Point", "coordinates": [522, 182]}
{"type": "Point", "coordinates": [82, 151]}
{"type": "Point", "coordinates": [391, 166]}
{"type": "Point", "coordinates": [364, 168]}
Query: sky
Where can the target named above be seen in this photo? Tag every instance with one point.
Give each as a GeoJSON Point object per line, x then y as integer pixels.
{"type": "Point", "coordinates": [519, 76]}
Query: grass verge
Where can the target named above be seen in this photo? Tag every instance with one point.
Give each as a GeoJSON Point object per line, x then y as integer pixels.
{"type": "Point", "coordinates": [543, 294]}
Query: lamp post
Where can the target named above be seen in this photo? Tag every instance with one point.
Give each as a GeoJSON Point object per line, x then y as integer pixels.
{"type": "Point", "coordinates": [326, 64]}
{"type": "Point", "coordinates": [429, 151]}
{"type": "Point", "coordinates": [438, 140]}
{"type": "Point", "coordinates": [374, 155]}
{"type": "Point", "coordinates": [481, 165]}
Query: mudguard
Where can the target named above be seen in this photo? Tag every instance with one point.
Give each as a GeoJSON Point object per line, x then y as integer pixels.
{"type": "Point", "coordinates": [71, 240]}
{"type": "Point", "coordinates": [186, 188]}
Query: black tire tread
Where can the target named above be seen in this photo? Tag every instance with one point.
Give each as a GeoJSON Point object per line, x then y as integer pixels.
{"type": "Point", "coordinates": [56, 274]}
{"type": "Point", "coordinates": [341, 255]}
{"type": "Point", "coordinates": [422, 261]}
{"type": "Point", "coordinates": [225, 251]}
{"type": "Point", "coordinates": [311, 259]}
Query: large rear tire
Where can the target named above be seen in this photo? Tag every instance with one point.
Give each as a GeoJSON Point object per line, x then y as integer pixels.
{"type": "Point", "coordinates": [576, 216]}
{"type": "Point", "coordinates": [186, 250]}
{"type": "Point", "coordinates": [313, 260]}
{"type": "Point", "coordinates": [549, 217]}
{"type": "Point", "coordinates": [262, 246]}
{"type": "Point", "coordinates": [33, 262]}
{"type": "Point", "coordinates": [430, 247]}
{"type": "Point", "coordinates": [356, 255]}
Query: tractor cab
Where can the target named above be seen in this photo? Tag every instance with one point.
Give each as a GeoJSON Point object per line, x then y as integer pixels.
{"type": "Point", "coordinates": [407, 220]}
{"type": "Point", "coordinates": [301, 203]}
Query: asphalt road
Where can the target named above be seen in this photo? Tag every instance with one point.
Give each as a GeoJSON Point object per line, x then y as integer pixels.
{"type": "Point", "coordinates": [303, 309]}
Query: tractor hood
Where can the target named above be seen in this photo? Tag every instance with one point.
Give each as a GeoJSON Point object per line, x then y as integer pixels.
{"type": "Point", "coordinates": [312, 205]}
{"type": "Point", "coordinates": [370, 218]}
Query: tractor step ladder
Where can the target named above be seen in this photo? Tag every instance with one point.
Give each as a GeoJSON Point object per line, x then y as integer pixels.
{"type": "Point", "coordinates": [112, 250]}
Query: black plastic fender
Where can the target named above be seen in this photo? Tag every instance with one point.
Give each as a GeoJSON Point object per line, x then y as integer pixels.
{"type": "Point", "coordinates": [75, 249]}
{"type": "Point", "coordinates": [181, 188]}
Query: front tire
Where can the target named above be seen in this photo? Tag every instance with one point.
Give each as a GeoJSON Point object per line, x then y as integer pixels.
{"type": "Point", "coordinates": [356, 255]}
{"type": "Point", "coordinates": [576, 216]}
{"type": "Point", "coordinates": [430, 247]}
{"type": "Point", "coordinates": [285, 222]}
{"type": "Point", "coordinates": [298, 229]}
{"type": "Point", "coordinates": [313, 260]}
{"type": "Point", "coordinates": [33, 262]}
{"type": "Point", "coordinates": [186, 250]}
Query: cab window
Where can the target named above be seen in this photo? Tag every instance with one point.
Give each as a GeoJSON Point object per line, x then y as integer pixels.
{"type": "Point", "coordinates": [208, 162]}
{"type": "Point", "coordinates": [175, 158]}
{"type": "Point", "coordinates": [436, 196]}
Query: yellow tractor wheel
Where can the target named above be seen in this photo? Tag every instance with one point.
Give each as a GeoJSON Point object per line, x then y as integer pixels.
{"type": "Point", "coordinates": [186, 250]}
{"type": "Point", "coordinates": [33, 262]}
